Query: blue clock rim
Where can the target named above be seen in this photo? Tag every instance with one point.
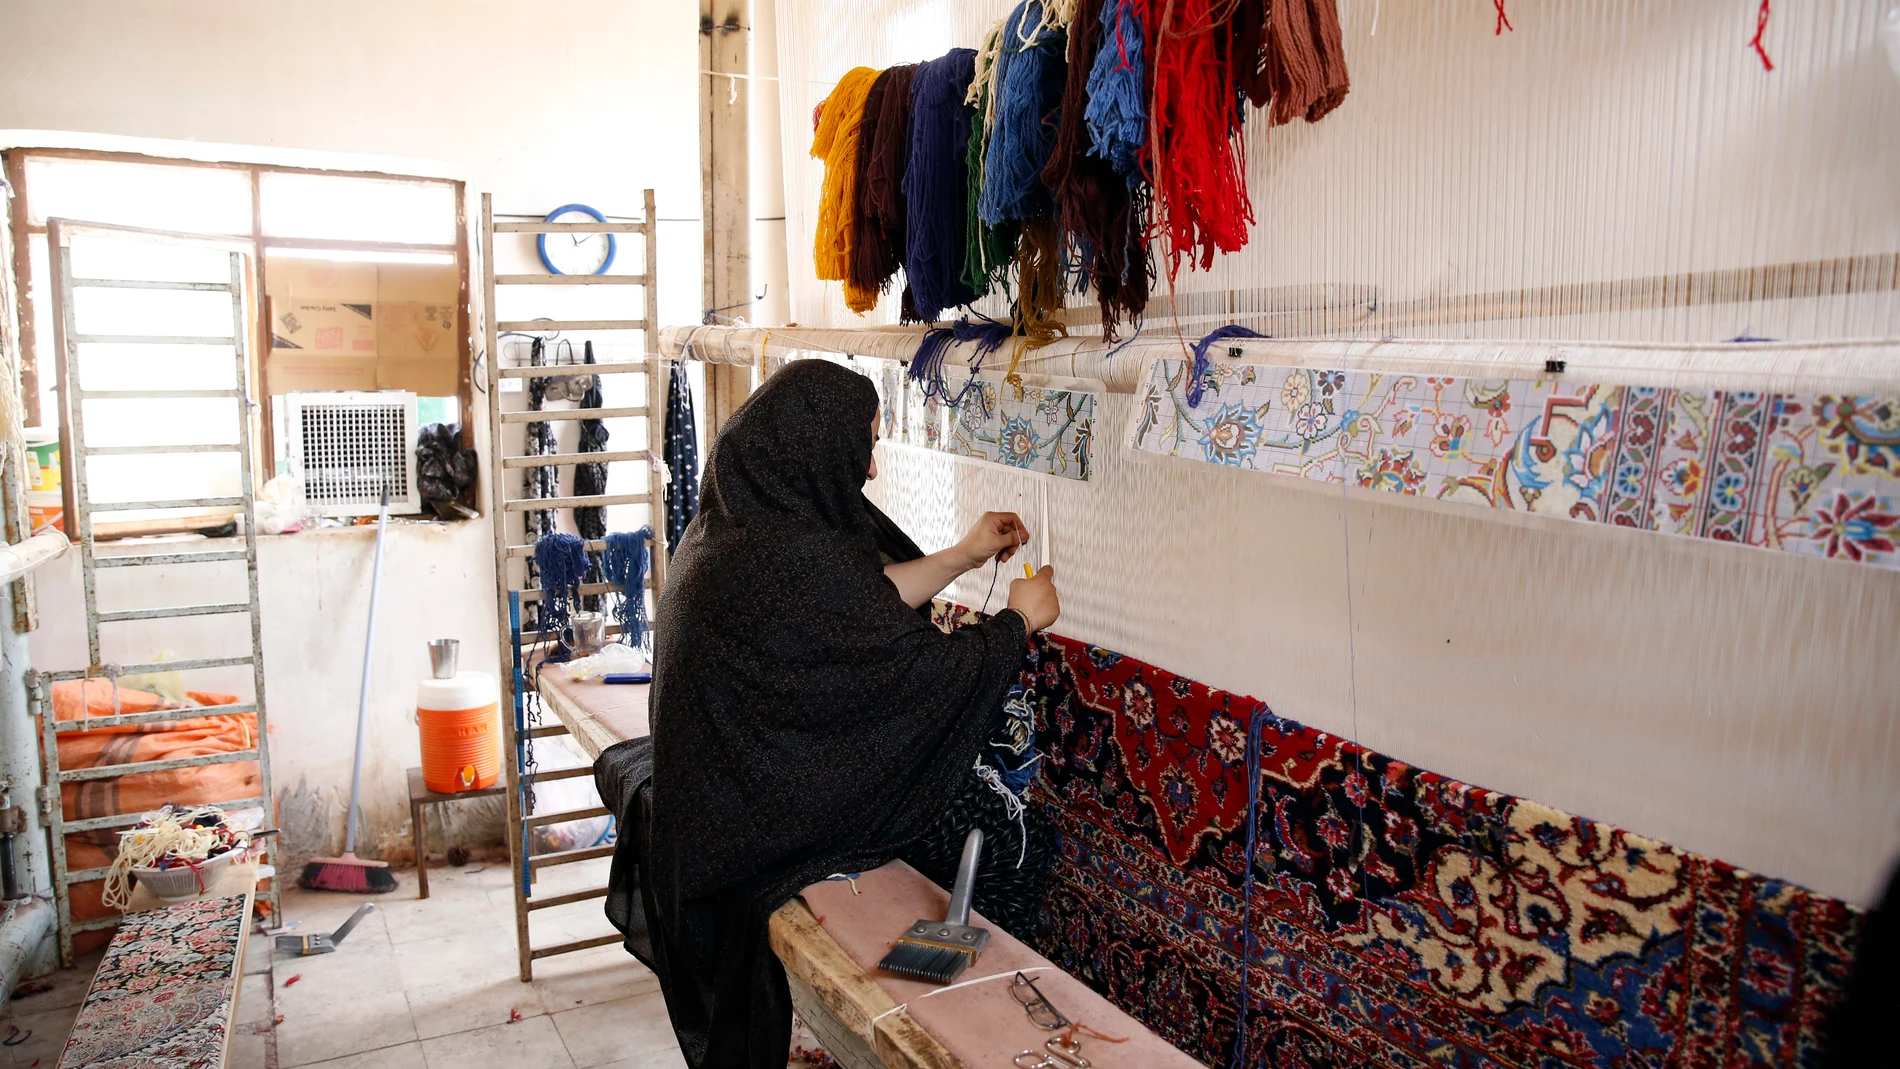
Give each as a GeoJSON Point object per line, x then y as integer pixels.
{"type": "Point", "coordinates": [541, 240]}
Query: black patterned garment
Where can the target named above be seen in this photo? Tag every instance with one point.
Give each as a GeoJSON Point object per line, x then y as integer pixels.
{"type": "Point", "coordinates": [682, 459]}
{"type": "Point", "coordinates": [805, 720]}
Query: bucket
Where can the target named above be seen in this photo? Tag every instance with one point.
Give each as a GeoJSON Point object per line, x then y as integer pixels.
{"type": "Point", "coordinates": [45, 510]}
{"type": "Point", "coordinates": [461, 736]}
{"type": "Point", "coordinates": [42, 460]}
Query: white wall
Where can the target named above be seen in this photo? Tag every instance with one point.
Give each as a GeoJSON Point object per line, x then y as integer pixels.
{"type": "Point", "coordinates": [585, 101]}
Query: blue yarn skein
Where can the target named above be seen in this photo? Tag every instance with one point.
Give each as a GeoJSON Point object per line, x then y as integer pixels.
{"type": "Point", "coordinates": [1117, 114]}
{"type": "Point", "coordinates": [1197, 376]}
{"type": "Point", "coordinates": [624, 564]}
{"type": "Point", "coordinates": [561, 559]}
{"type": "Point", "coordinates": [926, 367]}
{"type": "Point", "coordinates": [936, 183]}
{"type": "Point", "coordinates": [1029, 77]}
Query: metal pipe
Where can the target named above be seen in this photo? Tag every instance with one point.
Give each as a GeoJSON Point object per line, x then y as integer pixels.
{"type": "Point", "coordinates": [23, 557]}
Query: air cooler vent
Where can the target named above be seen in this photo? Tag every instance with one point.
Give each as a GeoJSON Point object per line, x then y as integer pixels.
{"type": "Point", "coordinates": [347, 444]}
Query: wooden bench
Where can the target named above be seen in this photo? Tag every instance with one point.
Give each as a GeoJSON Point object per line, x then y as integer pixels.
{"type": "Point", "coordinates": [831, 939]}
{"type": "Point", "coordinates": [186, 1018]}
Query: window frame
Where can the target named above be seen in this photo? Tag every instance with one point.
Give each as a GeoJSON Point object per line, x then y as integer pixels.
{"type": "Point", "coordinates": [13, 164]}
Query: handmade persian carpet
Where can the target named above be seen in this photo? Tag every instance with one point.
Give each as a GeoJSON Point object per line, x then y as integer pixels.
{"type": "Point", "coordinates": [1396, 917]}
{"type": "Point", "coordinates": [162, 996]}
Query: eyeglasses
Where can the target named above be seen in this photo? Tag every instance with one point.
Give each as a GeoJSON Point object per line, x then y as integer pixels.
{"type": "Point", "coordinates": [1041, 1012]}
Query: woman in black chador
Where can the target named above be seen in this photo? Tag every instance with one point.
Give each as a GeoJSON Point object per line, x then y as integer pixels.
{"type": "Point", "coordinates": [807, 718]}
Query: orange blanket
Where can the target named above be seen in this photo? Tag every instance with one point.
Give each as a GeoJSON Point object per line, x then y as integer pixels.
{"type": "Point", "coordinates": [142, 791]}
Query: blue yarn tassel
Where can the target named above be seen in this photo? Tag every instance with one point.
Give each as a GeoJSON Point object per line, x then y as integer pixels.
{"type": "Point", "coordinates": [561, 560]}
{"type": "Point", "coordinates": [936, 183]}
{"type": "Point", "coordinates": [624, 564]}
{"type": "Point", "coordinates": [1117, 114]}
{"type": "Point", "coordinates": [926, 367]}
{"type": "Point", "coordinates": [1029, 77]}
{"type": "Point", "coordinates": [1197, 377]}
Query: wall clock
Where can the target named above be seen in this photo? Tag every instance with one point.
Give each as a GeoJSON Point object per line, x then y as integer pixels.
{"type": "Point", "coordinates": [576, 254]}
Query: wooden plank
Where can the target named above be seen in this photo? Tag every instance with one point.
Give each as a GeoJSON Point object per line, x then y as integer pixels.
{"type": "Point", "coordinates": [593, 736]}
{"type": "Point", "coordinates": [853, 999]}
{"type": "Point", "coordinates": [569, 228]}
{"type": "Point", "coordinates": [560, 460]}
{"type": "Point", "coordinates": [536, 504]}
{"type": "Point", "coordinates": [570, 280]}
{"type": "Point", "coordinates": [569, 415]}
{"type": "Point", "coordinates": [531, 325]}
{"type": "Point", "coordinates": [565, 371]}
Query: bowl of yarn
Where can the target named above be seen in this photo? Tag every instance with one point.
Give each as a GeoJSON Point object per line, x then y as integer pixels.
{"type": "Point", "coordinates": [175, 852]}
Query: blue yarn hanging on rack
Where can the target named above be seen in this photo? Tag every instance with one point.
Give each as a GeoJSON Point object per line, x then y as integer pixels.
{"type": "Point", "coordinates": [926, 367]}
{"type": "Point", "coordinates": [1117, 114]}
{"type": "Point", "coordinates": [1030, 71]}
{"type": "Point", "coordinates": [936, 184]}
{"type": "Point", "coordinates": [561, 560]}
{"type": "Point", "coordinates": [624, 563]}
{"type": "Point", "coordinates": [1197, 375]}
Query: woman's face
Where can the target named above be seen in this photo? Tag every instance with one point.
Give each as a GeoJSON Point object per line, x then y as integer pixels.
{"type": "Point", "coordinates": [873, 472]}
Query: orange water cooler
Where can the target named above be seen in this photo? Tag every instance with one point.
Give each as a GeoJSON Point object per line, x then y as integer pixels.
{"type": "Point", "coordinates": [461, 732]}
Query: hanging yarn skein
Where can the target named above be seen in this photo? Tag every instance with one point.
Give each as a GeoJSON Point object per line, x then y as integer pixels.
{"type": "Point", "coordinates": [1102, 236]}
{"type": "Point", "coordinates": [926, 365]}
{"type": "Point", "coordinates": [1303, 63]}
{"type": "Point", "coordinates": [836, 143]}
{"type": "Point", "coordinates": [1117, 112]}
{"type": "Point", "coordinates": [562, 561]}
{"type": "Point", "coordinates": [1199, 172]}
{"type": "Point", "coordinates": [877, 220]}
{"type": "Point", "coordinates": [1030, 72]}
{"type": "Point", "coordinates": [624, 564]}
{"type": "Point", "coordinates": [988, 251]}
{"type": "Point", "coordinates": [936, 184]}
{"type": "Point", "coordinates": [1197, 375]}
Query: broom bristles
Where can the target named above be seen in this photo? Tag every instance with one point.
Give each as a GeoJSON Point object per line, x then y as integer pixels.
{"type": "Point", "coordinates": [349, 873]}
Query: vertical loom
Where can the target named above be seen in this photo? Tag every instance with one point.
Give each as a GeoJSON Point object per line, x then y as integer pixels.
{"type": "Point", "coordinates": [514, 585]}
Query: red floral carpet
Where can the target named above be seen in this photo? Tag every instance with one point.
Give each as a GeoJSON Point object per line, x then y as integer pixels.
{"type": "Point", "coordinates": [1396, 918]}
{"type": "Point", "coordinates": [162, 996]}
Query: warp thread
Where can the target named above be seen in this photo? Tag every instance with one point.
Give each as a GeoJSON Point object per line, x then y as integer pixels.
{"type": "Point", "coordinates": [1117, 113]}
{"type": "Point", "coordinates": [935, 187]}
{"type": "Point", "coordinates": [562, 561]}
{"type": "Point", "coordinates": [624, 564]}
{"type": "Point", "coordinates": [836, 143]}
{"type": "Point", "coordinates": [926, 366]}
{"type": "Point", "coordinates": [1198, 375]}
{"type": "Point", "coordinates": [1029, 82]}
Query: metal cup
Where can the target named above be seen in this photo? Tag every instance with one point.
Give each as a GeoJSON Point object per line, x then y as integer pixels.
{"type": "Point", "coordinates": [590, 632]}
{"type": "Point", "coordinates": [442, 654]}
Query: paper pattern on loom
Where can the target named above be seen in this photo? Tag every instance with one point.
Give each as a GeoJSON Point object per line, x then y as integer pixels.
{"type": "Point", "coordinates": [1043, 429]}
{"type": "Point", "coordinates": [1812, 474]}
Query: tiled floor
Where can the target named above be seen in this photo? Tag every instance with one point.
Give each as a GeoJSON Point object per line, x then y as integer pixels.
{"type": "Point", "coordinates": [422, 985]}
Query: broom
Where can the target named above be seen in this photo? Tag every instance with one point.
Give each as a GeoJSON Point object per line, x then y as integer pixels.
{"type": "Point", "coordinates": [349, 872]}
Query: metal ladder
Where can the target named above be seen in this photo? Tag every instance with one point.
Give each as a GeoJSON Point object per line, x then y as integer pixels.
{"type": "Point", "coordinates": [73, 432]}
{"type": "Point", "coordinates": [513, 587]}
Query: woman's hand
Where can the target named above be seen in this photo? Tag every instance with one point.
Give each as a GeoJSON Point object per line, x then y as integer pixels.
{"type": "Point", "coordinates": [995, 534]}
{"type": "Point", "coordinates": [1036, 599]}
